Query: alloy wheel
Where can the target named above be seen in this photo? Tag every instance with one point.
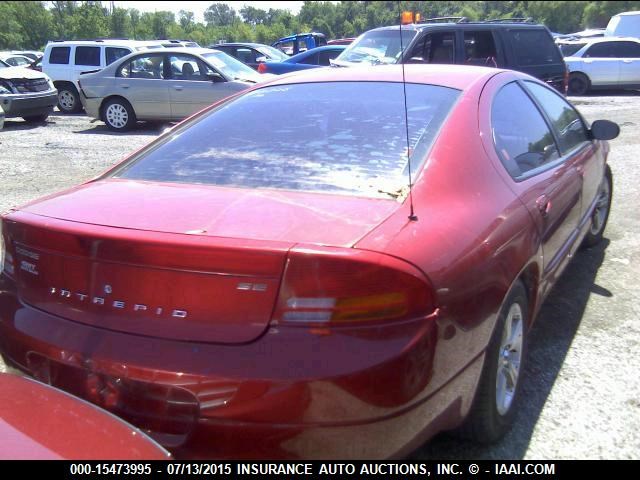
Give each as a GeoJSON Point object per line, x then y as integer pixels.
{"type": "Point", "coordinates": [117, 115]}
{"type": "Point", "coordinates": [509, 359]}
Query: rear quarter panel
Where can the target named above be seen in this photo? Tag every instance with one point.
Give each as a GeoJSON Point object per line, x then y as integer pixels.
{"type": "Point", "coordinates": [473, 237]}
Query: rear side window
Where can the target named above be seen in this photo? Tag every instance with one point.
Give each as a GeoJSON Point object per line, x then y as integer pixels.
{"type": "Point", "coordinates": [565, 120]}
{"type": "Point", "coordinates": [327, 137]}
{"type": "Point", "coordinates": [311, 60]}
{"type": "Point", "coordinates": [59, 55]}
{"type": "Point", "coordinates": [521, 135]}
{"type": "Point", "coordinates": [569, 49]}
{"type": "Point", "coordinates": [114, 53]}
{"type": "Point", "coordinates": [88, 56]}
{"type": "Point", "coordinates": [533, 47]}
{"type": "Point", "coordinates": [147, 66]}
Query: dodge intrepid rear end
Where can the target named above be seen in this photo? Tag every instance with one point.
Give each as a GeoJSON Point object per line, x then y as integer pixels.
{"type": "Point", "coordinates": [263, 281]}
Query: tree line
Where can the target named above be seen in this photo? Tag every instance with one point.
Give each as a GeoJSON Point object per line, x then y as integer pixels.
{"type": "Point", "coordinates": [31, 24]}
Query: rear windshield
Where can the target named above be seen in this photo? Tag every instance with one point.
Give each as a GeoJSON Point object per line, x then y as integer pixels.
{"type": "Point", "coordinates": [337, 137]}
{"type": "Point", "coordinates": [378, 47]}
{"type": "Point", "coordinates": [534, 47]}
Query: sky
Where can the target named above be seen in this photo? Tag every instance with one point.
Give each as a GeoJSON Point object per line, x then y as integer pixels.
{"type": "Point", "coordinates": [198, 8]}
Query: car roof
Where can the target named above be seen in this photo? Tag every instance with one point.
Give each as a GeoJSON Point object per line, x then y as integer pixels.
{"type": "Point", "coordinates": [460, 77]}
{"type": "Point", "coordinates": [475, 25]}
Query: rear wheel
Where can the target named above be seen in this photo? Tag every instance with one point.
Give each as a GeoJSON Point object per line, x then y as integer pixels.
{"type": "Point", "coordinates": [68, 99]}
{"type": "Point", "coordinates": [600, 213]}
{"type": "Point", "coordinates": [118, 114]}
{"type": "Point", "coordinates": [579, 84]}
{"type": "Point", "coordinates": [496, 399]}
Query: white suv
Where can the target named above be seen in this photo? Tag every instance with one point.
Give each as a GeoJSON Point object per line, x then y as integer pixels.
{"type": "Point", "coordinates": [65, 61]}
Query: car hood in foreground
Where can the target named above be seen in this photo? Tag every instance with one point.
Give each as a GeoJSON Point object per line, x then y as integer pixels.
{"type": "Point", "coordinates": [273, 215]}
{"type": "Point", "coordinates": [39, 422]}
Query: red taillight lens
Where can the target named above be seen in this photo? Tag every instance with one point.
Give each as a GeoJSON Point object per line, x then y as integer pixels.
{"type": "Point", "coordinates": [262, 68]}
{"type": "Point", "coordinates": [327, 287]}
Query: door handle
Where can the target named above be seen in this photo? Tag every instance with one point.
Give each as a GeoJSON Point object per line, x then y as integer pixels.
{"type": "Point", "coordinates": [544, 205]}
{"type": "Point", "coordinates": [124, 86]}
{"type": "Point", "coordinates": [627, 61]}
{"type": "Point", "coordinates": [178, 87]}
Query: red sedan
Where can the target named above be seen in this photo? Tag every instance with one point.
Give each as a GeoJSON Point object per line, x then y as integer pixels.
{"type": "Point", "coordinates": [265, 281]}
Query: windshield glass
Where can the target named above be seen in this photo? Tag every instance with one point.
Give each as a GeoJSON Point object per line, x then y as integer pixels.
{"type": "Point", "coordinates": [569, 49]}
{"type": "Point", "coordinates": [273, 53]}
{"type": "Point", "coordinates": [231, 67]}
{"type": "Point", "coordinates": [338, 137]}
{"type": "Point", "coordinates": [377, 46]}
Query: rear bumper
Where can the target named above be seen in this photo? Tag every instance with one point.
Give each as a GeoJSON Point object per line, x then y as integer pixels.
{"type": "Point", "coordinates": [91, 105]}
{"type": "Point", "coordinates": [24, 105]}
{"type": "Point", "coordinates": [290, 394]}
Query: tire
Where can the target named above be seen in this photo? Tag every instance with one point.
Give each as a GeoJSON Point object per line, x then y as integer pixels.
{"type": "Point", "coordinates": [579, 84]}
{"type": "Point", "coordinates": [118, 114]}
{"type": "Point", "coordinates": [68, 99]}
{"type": "Point", "coordinates": [36, 118]}
{"type": "Point", "coordinates": [600, 213]}
{"type": "Point", "coordinates": [495, 404]}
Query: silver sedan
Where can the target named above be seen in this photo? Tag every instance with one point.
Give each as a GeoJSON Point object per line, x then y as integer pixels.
{"type": "Point", "coordinates": [169, 84]}
{"type": "Point", "coordinates": [607, 62]}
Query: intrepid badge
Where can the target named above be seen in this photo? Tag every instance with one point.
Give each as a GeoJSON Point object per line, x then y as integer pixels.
{"type": "Point", "coordinates": [119, 304]}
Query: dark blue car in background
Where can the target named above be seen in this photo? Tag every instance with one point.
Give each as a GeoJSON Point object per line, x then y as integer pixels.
{"type": "Point", "coordinates": [314, 58]}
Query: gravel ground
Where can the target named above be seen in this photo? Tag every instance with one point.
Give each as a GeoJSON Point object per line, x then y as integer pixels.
{"type": "Point", "coordinates": [581, 384]}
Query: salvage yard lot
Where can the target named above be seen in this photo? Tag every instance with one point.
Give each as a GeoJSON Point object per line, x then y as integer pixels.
{"type": "Point", "coordinates": [581, 389]}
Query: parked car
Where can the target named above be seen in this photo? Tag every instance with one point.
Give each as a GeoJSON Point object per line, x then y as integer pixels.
{"type": "Point", "coordinates": [168, 84]}
{"type": "Point", "coordinates": [15, 60]}
{"type": "Point", "coordinates": [26, 93]}
{"type": "Point", "coordinates": [341, 41]}
{"type": "Point", "coordinates": [582, 35]}
{"type": "Point", "coordinates": [603, 63]}
{"type": "Point", "coordinates": [65, 61]}
{"type": "Point", "coordinates": [300, 42]}
{"type": "Point", "coordinates": [259, 283]}
{"type": "Point", "coordinates": [314, 58]}
{"type": "Point", "coordinates": [625, 24]}
{"type": "Point", "coordinates": [251, 54]}
{"type": "Point", "coordinates": [40, 422]}
{"type": "Point", "coordinates": [32, 54]}
{"type": "Point", "coordinates": [522, 46]}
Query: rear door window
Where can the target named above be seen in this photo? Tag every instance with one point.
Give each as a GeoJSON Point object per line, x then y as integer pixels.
{"type": "Point", "coordinates": [627, 49]}
{"type": "Point", "coordinates": [533, 47]}
{"type": "Point", "coordinates": [480, 48]}
{"type": "Point", "coordinates": [60, 55]}
{"type": "Point", "coordinates": [522, 137]}
{"type": "Point", "coordinates": [89, 56]}
{"type": "Point", "coordinates": [145, 66]}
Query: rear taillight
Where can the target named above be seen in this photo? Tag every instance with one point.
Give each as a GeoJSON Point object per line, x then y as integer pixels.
{"type": "Point", "coordinates": [262, 68]}
{"type": "Point", "coordinates": [328, 287]}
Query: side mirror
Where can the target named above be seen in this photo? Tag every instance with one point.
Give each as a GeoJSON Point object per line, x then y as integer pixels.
{"type": "Point", "coordinates": [261, 59]}
{"type": "Point", "coordinates": [215, 77]}
{"type": "Point", "coordinates": [604, 130]}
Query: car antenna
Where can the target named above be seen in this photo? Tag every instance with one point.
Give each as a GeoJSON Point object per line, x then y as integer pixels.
{"type": "Point", "coordinates": [412, 216]}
